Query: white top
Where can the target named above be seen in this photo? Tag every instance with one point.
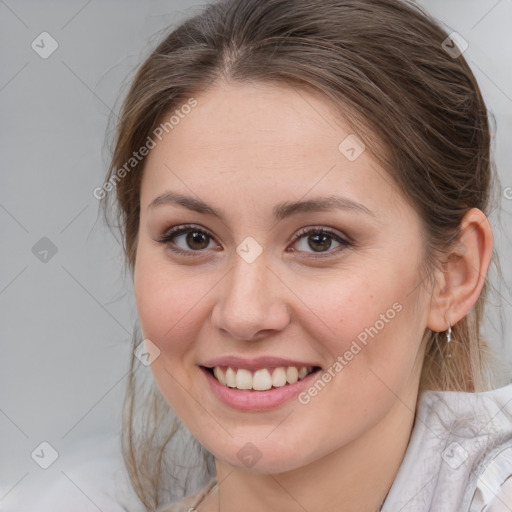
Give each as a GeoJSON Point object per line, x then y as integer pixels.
{"type": "Point", "coordinates": [459, 459]}
{"type": "Point", "coordinates": [459, 455]}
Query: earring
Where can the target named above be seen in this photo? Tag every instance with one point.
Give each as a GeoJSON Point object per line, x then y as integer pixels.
{"type": "Point", "coordinates": [448, 339]}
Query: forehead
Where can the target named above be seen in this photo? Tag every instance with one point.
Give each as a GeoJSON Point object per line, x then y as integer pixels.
{"type": "Point", "coordinates": [261, 114]}
{"type": "Point", "coordinates": [273, 141]}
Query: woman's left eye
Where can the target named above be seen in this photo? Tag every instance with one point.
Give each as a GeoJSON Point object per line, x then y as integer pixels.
{"type": "Point", "coordinates": [195, 240]}
{"type": "Point", "coordinates": [321, 241]}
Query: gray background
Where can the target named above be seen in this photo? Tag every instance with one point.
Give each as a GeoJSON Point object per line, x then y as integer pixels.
{"type": "Point", "coordinates": [67, 322]}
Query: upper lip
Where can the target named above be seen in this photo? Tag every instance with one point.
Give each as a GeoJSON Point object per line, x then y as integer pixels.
{"type": "Point", "coordinates": [255, 363]}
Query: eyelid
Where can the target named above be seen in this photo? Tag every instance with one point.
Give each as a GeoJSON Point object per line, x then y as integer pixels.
{"type": "Point", "coordinates": [183, 228]}
{"type": "Point", "coordinates": [322, 229]}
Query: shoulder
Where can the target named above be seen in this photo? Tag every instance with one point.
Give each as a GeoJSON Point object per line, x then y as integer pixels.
{"type": "Point", "coordinates": [191, 502]}
{"type": "Point", "coordinates": [459, 453]}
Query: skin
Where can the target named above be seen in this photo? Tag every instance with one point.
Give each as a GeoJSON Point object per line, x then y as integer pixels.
{"type": "Point", "coordinates": [243, 149]}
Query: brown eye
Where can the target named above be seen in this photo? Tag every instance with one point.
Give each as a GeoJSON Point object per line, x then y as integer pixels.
{"type": "Point", "coordinates": [186, 240]}
{"type": "Point", "coordinates": [196, 240]}
{"type": "Point", "coordinates": [319, 240]}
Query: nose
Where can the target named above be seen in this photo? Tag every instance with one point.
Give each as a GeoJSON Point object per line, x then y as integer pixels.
{"type": "Point", "coordinates": [252, 302]}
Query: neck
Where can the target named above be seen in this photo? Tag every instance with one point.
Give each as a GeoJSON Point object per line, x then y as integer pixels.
{"type": "Point", "coordinates": [355, 477]}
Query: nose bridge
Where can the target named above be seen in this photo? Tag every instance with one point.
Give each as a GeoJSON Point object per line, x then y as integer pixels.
{"type": "Point", "coordinates": [250, 301]}
{"type": "Point", "coordinates": [251, 278]}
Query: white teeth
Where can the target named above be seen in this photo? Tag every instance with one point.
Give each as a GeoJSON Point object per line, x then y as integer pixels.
{"type": "Point", "coordinates": [279, 377]}
{"type": "Point", "coordinates": [292, 375]}
{"type": "Point", "coordinates": [262, 379]}
{"type": "Point", "coordinates": [243, 379]}
{"type": "Point", "coordinates": [221, 377]}
{"type": "Point", "coordinates": [231, 378]}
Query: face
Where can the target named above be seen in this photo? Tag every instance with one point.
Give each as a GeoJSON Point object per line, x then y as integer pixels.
{"type": "Point", "coordinates": [231, 274]}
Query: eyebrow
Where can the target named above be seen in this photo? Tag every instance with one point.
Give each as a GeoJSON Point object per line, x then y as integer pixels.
{"type": "Point", "coordinates": [280, 211]}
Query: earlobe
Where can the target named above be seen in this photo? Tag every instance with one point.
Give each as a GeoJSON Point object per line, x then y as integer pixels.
{"type": "Point", "coordinates": [463, 273]}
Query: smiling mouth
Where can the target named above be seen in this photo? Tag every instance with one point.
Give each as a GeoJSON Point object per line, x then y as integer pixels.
{"type": "Point", "coordinates": [262, 379]}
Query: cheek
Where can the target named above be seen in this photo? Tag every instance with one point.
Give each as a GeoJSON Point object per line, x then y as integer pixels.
{"type": "Point", "coordinates": [374, 334]}
{"type": "Point", "coordinates": [169, 309]}
{"type": "Point", "coordinates": [368, 318]}
{"type": "Point", "coordinates": [168, 301]}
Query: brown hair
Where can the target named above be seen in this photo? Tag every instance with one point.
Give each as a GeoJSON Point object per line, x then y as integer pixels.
{"type": "Point", "coordinates": [383, 65]}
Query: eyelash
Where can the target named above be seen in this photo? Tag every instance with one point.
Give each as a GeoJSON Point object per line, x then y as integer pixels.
{"type": "Point", "coordinates": [179, 230]}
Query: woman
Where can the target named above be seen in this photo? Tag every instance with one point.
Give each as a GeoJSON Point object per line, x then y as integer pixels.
{"type": "Point", "coordinates": [302, 190]}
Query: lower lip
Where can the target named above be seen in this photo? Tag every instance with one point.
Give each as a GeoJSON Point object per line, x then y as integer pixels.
{"type": "Point", "coordinates": [250, 400]}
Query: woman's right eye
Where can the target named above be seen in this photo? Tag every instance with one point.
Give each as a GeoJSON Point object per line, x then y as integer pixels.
{"type": "Point", "coordinates": [186, 240]}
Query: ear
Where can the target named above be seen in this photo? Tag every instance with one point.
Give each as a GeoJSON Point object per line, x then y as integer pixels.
{"type": "Point", "coordinates": [460, 282]}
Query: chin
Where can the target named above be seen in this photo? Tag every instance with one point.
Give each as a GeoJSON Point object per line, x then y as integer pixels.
{"type": "Point", "coordinates": [264, 457]}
